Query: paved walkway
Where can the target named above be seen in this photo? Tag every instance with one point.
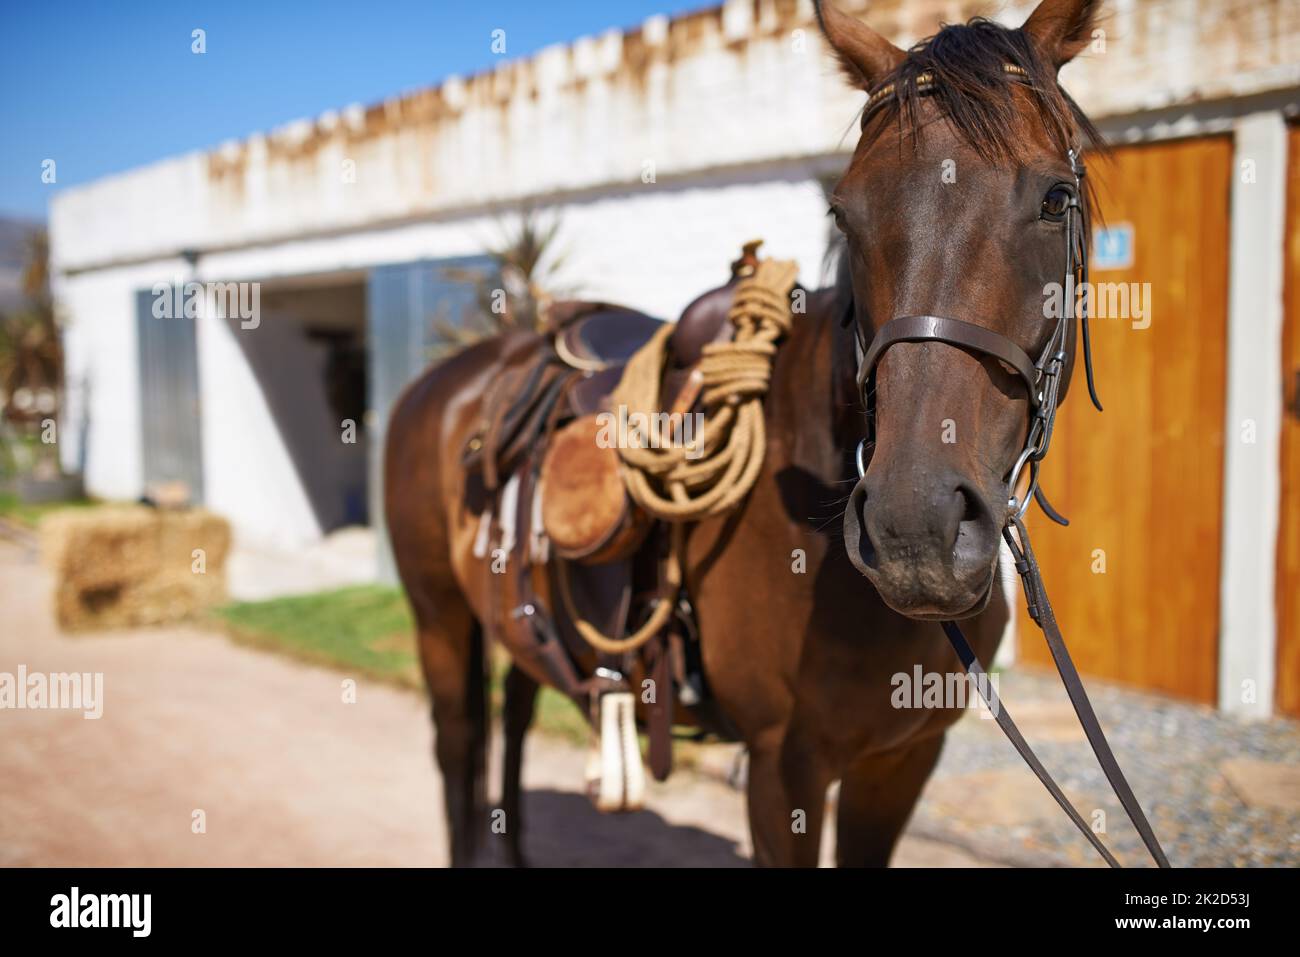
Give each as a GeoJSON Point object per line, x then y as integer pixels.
{"type": "Point", "coordinates": [256, 572]}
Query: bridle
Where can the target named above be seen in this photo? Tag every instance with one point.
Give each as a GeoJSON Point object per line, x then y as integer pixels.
{"type": "Point", "coordinates": [1042, 379]}
{"type": "Point", "coordinates": [1041, 376]}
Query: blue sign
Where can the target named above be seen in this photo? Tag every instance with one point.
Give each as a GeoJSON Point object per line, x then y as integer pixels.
{"type": "Point", "coordinates": [1112, 248]}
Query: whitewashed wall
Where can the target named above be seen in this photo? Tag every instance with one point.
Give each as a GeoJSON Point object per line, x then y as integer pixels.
{"type": "Point", "coordinates": [101, 426]}
{"type": "Point", "coordinates": [652, 246]}
{"type": "Point", "coordinates": [746, 83]}
{"type": "Point", "coordinates": [248, 475]}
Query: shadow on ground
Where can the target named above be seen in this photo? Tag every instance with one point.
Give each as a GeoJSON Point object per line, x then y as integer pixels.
{"type": "Point", "coordinates": [564, 830]}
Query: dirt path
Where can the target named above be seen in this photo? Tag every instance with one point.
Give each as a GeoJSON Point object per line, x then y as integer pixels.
{"type": "Point", "coordinates": [283, 770]}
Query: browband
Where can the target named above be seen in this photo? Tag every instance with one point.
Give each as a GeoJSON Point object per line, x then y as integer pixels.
{"type": "Point", "coordinates": [925, 83]}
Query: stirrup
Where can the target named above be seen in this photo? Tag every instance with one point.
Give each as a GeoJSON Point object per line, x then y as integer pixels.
{"type": "Point", "coordinates": [615, 774]}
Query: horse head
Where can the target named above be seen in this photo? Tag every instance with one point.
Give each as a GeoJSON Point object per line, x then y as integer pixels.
{"type": "Point", "coordinates": [963, 211]}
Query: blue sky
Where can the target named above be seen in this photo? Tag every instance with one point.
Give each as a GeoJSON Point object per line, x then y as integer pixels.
{"type": "Point", "coordinates": [101, 86]}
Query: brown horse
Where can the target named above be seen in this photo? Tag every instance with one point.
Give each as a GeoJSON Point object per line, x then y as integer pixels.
{"type": "Point", "coordinates": [949, 207]}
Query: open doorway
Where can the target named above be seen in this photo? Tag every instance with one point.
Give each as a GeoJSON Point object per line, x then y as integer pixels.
{"type": "Point", "coordinates": [309, 358]}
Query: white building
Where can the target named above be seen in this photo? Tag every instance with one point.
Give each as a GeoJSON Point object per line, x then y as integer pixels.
{"type": "Point", "coordinates": [661, 149]}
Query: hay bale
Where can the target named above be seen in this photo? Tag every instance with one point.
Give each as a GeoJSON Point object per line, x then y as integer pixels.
{"type": "Point", "coordinates": [123, 565]}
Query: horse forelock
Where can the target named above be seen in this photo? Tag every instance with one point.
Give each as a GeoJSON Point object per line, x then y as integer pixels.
{"type": "Point", "coordinates": [966, 64]}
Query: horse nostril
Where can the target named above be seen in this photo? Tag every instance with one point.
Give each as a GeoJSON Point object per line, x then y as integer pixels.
{"type": "Point", "coordinates": [972, 510]}
{"type": "Point", "coordinates": [866, 547]}
{"type": "Point", "coordinates": [969, 538]}
{"type": "Point", "coordinates": [857, 538]}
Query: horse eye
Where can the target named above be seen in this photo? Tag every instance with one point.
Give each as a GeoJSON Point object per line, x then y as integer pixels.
{"type": "Point", "coordinates": [1056, 202]}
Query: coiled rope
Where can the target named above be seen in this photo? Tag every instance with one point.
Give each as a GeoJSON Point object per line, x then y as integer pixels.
{"type": "Point", "coordinates": [685, 483]}
{"type": "Point", "coordinates": [678, 483]}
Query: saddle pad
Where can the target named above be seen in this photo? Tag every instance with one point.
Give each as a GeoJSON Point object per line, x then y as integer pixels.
{"type": "Point", "coordinates": [585, 508]}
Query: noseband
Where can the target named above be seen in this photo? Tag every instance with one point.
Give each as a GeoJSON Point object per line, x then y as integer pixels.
{"type": "Point", "coordinates": [1042, 379]}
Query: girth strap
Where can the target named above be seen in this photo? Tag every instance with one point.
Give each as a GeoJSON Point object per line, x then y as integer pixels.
{"type": "Point", "coordinates": [1040, 609]}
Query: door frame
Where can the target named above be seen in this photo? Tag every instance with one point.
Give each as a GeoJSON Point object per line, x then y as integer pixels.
{"type": "Point", "coordinates": [1287, 690]}
{"type": "Point", "coordinates": [1252, 469]}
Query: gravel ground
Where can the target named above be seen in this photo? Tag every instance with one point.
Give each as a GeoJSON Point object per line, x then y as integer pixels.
{"type": "Point", "coordinates": [1179, 759]}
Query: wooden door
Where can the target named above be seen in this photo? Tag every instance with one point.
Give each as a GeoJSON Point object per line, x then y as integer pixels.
{"type": "Point", "coordinates": [1288, 540]}
{"type": "Point", "coordinates": [1135, 578]}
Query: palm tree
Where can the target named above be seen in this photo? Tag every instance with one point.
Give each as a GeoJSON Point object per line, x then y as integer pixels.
{"type": "Point", "coordinates": [31, 348]}
{"type": "Point", "coordinates": [31, 365]}
{"type": "Point", "coordinates": [514, 294]}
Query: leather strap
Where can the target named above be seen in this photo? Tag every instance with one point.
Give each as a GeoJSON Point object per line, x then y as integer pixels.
{"type": "Point", "coordinates": [659, 718]}
{"type": "Point", "coordinates": [547, 649]}
{"type": "Point", "coordinates": [973, 667]}
{"type": "Point", "coordinates": [1045, 618]}
{"type": "Point", "coordinates": [954, 332]}
{"type": "Point", "coordinates": [1040, 610]}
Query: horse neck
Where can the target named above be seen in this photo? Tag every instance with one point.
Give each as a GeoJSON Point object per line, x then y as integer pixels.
{"type": "Point", "coordinates": [812, 408]}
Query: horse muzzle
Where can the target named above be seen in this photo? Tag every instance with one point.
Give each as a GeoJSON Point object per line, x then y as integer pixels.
{"type": "Point", "coordinates": [931, 552]}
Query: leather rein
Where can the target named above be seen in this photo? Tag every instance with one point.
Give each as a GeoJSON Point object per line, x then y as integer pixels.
{"type": "Point", "coordinates": [1042, 379]}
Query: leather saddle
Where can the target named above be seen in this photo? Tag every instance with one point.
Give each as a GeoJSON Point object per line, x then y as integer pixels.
{"type": "Point", "coordinates": [593, 336]}
{"type": "Point", "coordinates": [587, 344]}
{"type": "Point", "coordinates": [567, 374]}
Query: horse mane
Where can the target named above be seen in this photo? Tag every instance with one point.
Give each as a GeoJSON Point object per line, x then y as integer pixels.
{"type": "Point", "coordinates": [968, 82]}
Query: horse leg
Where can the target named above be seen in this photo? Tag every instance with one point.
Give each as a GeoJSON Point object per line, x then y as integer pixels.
{"type": "Point", "coordinates": [451, 655]}
{"type": "Point", "coordinates": [877, 796]}
{"type": "Point", "coordinates": [787, 802]}
{"type": "Point", "coordinates": [520, 697]}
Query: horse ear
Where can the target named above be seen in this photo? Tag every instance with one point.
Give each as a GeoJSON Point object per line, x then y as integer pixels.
{"type": "Point", "coordinates": [865, 56]}
{"type": "Point", "coordinates": [1060, 29]}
